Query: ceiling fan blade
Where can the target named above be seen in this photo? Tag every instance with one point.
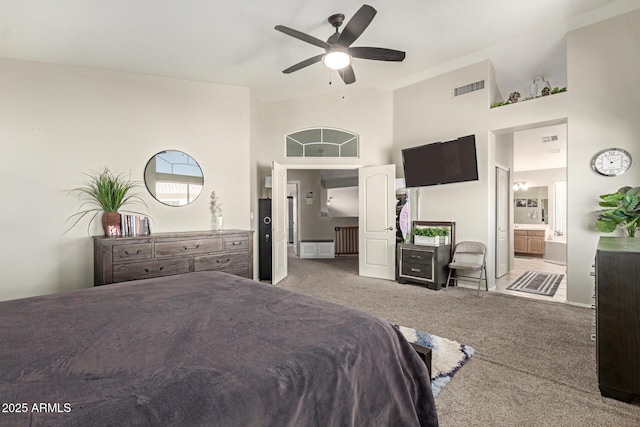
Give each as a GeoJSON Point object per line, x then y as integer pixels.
{"type": "Point", "coordinates": [377, 53]}
{"type": "Point", "coordinates": [304, 63]}
{"type": "Point", "coordinates": [302, 36]}
{"type": "Point", "coordinates": [347, 74]}
{"type": "Point", "coordinates": [356, 25]}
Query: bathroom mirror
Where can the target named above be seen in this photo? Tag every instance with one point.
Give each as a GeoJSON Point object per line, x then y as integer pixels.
{"type": "Point", "coordinates": [173, 178]}
{"type": "Point", "coordinates": [531, 206]}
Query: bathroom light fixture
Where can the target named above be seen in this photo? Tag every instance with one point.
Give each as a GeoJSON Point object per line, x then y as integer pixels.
{"type": "Point", "coordinates": [267, 181]}
{"type": "Point", "coordinates": [336, 59]}
{"type": "Point", "coordinates": [520, 186]}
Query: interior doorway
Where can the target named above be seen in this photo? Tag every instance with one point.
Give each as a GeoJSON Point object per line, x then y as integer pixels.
{"type": "Point", "coordinates": [317, 227]}
{"type": "Point", "coordinates": [536, 157]}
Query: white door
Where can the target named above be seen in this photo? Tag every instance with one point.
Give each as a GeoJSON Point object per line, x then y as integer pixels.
{"type": "Point", "coordinates": [377, 221]}
{"type": "Point", "coordinates": [502, 221]}
{"type": "Point", "coordinates": [279, 223]}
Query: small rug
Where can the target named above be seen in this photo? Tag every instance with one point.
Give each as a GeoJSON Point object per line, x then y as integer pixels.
{"type": "Point", "coordinates": [537, 283]}
{"type": "Point", "coordinates": [447, 356]}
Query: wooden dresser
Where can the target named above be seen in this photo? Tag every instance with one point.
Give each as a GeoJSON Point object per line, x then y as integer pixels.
{"type": "Point", "coordinates": [118, 259]}
{"type": "Point", "coordinates": [618, 317]}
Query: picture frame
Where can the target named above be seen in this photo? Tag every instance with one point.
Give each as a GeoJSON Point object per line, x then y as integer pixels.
{"type": "Point", "coordinates": [113, 231]}
{"type": "Point", "coordinates": [521, 203]}
{"type": "Point", "coordinates": [532, 203]}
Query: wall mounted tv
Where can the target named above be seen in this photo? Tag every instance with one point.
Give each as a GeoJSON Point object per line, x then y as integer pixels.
{"type": "Point", "coordinates": [441, 162]}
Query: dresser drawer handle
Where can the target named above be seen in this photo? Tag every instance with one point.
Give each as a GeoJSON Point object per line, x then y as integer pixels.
{"type": "Point", "coordinates": [416, 270]}
{"type": "Point", "coordinates": [237, 243]}
{"type": "Point", "coordinates": [146, 270]}
{"type": "Point", "coordinates": [186, 248]}
{"type": "Point", "coordinates": [416, 257]}
{"type": "Point", "coordinates": [223, 262]}
{"type": "Point", "coordinates": [129, 253]}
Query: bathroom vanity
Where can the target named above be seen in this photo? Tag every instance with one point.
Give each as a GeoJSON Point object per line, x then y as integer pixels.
{"type": "Point", "coordinates": [527, 241]}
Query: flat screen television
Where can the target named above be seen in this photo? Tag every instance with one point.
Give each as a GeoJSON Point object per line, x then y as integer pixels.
{"type": "Point", "coordinates": [441, 162]}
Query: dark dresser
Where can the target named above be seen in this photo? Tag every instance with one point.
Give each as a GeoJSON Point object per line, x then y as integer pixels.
{"type": "Point", "coordinates": [618, 317]}
{"type": "Point", "coordinates": [424, 264]}
{"type": "Point", "coordinates": [118, 259]}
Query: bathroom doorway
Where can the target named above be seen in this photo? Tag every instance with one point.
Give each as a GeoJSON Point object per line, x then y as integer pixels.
{"type": "Point", "coordinates": [536, 205]}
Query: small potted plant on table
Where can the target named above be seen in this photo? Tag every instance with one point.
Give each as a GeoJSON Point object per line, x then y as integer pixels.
{"type": "Point", "coordinates": [434, 236]}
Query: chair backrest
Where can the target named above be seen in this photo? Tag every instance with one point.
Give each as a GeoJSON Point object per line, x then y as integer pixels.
{"type": "Point", "coordinates": [468, 247]}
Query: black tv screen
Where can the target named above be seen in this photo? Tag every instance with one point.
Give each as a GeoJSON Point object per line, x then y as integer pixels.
{"type": "Point", "coordinates": [441, 162]}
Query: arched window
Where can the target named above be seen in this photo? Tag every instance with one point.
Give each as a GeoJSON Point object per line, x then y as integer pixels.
{"type": "Point", "coordinates": [322, 142]}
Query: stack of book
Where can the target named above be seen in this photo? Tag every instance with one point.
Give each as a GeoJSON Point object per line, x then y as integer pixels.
{"type": "Point", "coordinates": [135, 225]}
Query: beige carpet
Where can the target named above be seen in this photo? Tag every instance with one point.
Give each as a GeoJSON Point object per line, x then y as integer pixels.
{"type": "Point", "coordinates": [534, 363]}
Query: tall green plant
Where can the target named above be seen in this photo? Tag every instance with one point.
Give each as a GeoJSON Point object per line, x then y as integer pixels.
{"type": "Point", "coordinates": [622, 209]}
{"type": "Point", "coordinates": [104, 192]}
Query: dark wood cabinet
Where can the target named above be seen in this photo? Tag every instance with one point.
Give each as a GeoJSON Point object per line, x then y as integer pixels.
{"type": "Point", "coordinates": [119, 259]}
{"type": "Point", "coordinates": [618, 317]}
{"type": "Point", "coordinates": [424, 264]}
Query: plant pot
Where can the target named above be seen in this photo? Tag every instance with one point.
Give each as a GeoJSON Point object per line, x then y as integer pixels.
{"type": "Point", "coordinates": [111, 224]}
{"type": "Point", "coordinates": [431, 241]}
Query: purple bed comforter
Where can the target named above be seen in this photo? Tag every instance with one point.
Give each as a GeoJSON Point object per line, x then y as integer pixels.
{"type": "Point", "coordinates": [204, 349]}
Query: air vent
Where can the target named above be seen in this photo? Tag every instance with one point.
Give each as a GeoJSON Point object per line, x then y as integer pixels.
{"type": "Point", "coordinates": [471, 87]}
{"type": "Point", "coordinates": [550, 138]}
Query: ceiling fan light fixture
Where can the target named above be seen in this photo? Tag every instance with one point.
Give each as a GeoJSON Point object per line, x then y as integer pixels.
{"type": "Point", "coordinates": [336, 59]}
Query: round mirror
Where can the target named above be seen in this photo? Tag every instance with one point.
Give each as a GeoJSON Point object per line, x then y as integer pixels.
{"type": "Point", "coordinates": [173, 178]}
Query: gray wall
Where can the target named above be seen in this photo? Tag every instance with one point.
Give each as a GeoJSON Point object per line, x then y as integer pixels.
{"type": "Point", "coordinates": [312, 226]}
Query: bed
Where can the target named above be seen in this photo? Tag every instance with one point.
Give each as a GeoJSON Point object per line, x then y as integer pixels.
{"type": "Point", "coordinates": [205, 348]}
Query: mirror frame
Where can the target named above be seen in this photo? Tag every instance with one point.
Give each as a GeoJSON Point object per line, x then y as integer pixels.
{"type": "Point", "coordinates": [152, 192]}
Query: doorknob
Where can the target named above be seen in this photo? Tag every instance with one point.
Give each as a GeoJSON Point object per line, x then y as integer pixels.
{"type": "Point", "coordinates": [389, 228]}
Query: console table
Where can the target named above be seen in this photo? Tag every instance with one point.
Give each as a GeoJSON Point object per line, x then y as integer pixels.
{"type": "Point", "coordinates": [119, 259]}
{"type": "Point", "coordinates": [424, 264]}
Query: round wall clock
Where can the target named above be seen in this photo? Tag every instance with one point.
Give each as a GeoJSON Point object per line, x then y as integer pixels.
{"type": "Point", "coordinates": [611, 162]}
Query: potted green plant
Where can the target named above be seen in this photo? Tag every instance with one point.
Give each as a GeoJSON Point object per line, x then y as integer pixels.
{"type": "Point", "coordinates": [621, 209]}
{"type": "Point", "coordinates": [105, 192]}
{"type": "Point", "coordinates": [434, 236]}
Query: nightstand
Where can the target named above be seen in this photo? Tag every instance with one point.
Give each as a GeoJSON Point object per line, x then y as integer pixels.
{"type": "Point", "coordinates": [424, 264]}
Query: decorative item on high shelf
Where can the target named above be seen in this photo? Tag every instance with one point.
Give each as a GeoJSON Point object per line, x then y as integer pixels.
{"type": "Point", "coordinates": [108, 193]}
{"type": "Point", "coordinates": [216, 212]}
{"type": "Point", "coordinates": [433, 236]}
{"type": "Point", "coordinates": [514, 96]}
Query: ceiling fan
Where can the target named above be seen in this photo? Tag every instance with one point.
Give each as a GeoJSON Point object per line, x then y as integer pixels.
{"type": "Point", "coordinates": [339, 52]}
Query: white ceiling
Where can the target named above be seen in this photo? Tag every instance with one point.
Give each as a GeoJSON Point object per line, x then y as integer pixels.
{"type": "Point", "coordinates": [530, 152]}
{"type": "Point", "coordinates": [234, 42]}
